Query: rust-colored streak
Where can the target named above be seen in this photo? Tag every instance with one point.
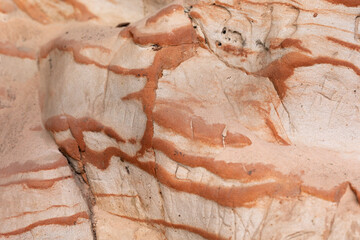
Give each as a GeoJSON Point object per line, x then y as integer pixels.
{"type": "Point", "coordinates": [10, 49]}
{"type": "Point", "coordinates": [236, 140]}
{"type": "Point", "coordinates": [178, 104]}
{"type": "Point", "coordinates": [208, 133]}
{"type": "Point", "coordinates": [37, 183]}
{"type": "Point", "coordinates": [275, 133]}
{"type": "Point", "coordinates": [101, 160]}
{"type": "Point", "coordinates": [325, 26]}
{"type": "Point", "coordinates": [111, 133]}
{"type": "Point", "coordinates": [195, 128]}
{"type": "Point", "coordinates": [125, 71]}
{"type": "Point", "coordinates": [333, 194]}
{"type": "Point", "coordinates": [280, 70]}
{"type": "Point", "coordinates": [57, 124]}
{"type": "Point", "coordinates": [344, 44]}
{"type": "Point", "coordinates": [178, 36]}
{"type": "Point", "coordinates": [230, 196]}
{"type": "Point", "coordinates": [35, 212]}
{"type": "Point", "coordinates": [70, 148]}
{"type": "Point", "coordinates": [177, 46]}
{"type": "Point", "coordinates": [198, 231]}
{"type": "Point", "coordinates": [75, 47]}
{"type": "Point", "coordinates": [175, 119]}
{"type": "Point", "coordinates": [237, 51]}
{"type": "Point", "coordinates": [33, 10]}
{"type": "Point", "coordinates": [192, 127]}
{"type": "Point", "coordinates": [77, 127]}
{"type": "Point", "coordinates": [225, 170]}
{"type": "Point", "coordinates": [290, 42]}
{"type": "Point", "coordinates": [81, 11]}
{"type": "Point", "coordinates": [64, 221]}
{"type": "Point", "coordinates": [284, 186]}
{"type": "Point", "coordinates": [164, 12]}
{"type": "Point", "coordinates": [166, 58]}
{"type": "Point", "coordinates": [135, 95]}
{"type": "Point", "coordinates": [31, 166]}
{"type": "Point", "coordinates": [196, 15]}
{"type": "Point", "coordinates": [36, 12]}
{"type": "Point", "coordinates": [44, 184]}
{"type": "Point", "coordinates": [347, 3]}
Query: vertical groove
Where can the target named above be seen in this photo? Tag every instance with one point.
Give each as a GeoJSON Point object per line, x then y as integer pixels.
{"type": "Point", "coordinates": [84, 187]}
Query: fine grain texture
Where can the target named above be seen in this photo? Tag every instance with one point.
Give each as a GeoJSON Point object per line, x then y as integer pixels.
{"type": "Point", "coordinates": [41, 196]}
{"type": "Point", "coordinates": [227, 119]}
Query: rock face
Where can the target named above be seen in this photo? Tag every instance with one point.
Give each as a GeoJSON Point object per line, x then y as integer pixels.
{"type": "Point", "coordinates": [39, 196]}
{"type": "Point", "coordinates": [206, 120]}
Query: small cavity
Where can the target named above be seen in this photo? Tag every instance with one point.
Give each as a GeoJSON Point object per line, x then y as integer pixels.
{"type": "Point", "coordinates": [124, 24]}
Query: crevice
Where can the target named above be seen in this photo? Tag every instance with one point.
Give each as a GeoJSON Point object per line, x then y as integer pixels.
{"type": "Point", "coordinates": [201, 28]}
{"type": "Point", "coordinates": [329, 231]}
{"type": "Point", "coordinates": [81, 181]}
{"type": "Point", "coordinates": [123, 24]}
{"type": "Point", "coordinates": [291, 124]}
{"type": "Point", "coordinates": [357, 29]}
{"type": "Point", "coordinates": [355, 192]}
{"type": "Point", "coordinates": [163, 212]}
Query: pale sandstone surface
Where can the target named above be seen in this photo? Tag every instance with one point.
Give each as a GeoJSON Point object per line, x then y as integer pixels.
{"type": "Point", "coordinates": [207, 120]}
{"type": "Point", "coordinates": [39, 196]}
{"type": "Point", "coordinates": [215, 120]}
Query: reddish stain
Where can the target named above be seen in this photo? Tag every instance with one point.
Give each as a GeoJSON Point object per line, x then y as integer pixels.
{"type": "Point", "coordinates": [347, 3]}
{"type": "Point", "coordinates": [10, 49]}
{"type": "Point", "coordinates": [225, 170]}
{"type": "Point", "coordinates": [35, 11]}
{"type": "Point", "coordinates": [164, 12]}
{"type": "Point", "coordinates": [81, 13]}
{"type": "Point", "coordinates": [242, 52]}
{"type": "Point", "coordinates": [170, 57]}
{"type": "Point", "coordinates": [185, 123]}
{"type": "Point", "coordinates": [289, 42]}
{"type": "Point", "coordinates": [192, 229]}
{"type": "Point", "coordinates": [275, 133]}
{"type": "Point", "coordinates": [333, 194]}
{"type": "Point", "coordinates": [37, 183]}
{"type": "Point", "coordinates": [236, 140]}
{"type": "Point", "coordinates": [182, 35]}
{"type": "Point", "coordinates": [31, 166]}
{"type": "Point", "coordinates": [64, 221]}
{"type": "Point", "coordinates": [280, 70]}
{"type": "Point", "coordinates": [345, 44]}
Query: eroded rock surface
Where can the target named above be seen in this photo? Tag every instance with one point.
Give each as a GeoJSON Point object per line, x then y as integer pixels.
{"type": "Point", "coordinates": [39, 196]}
{"type": "Point", "coordinates": [210, 120]}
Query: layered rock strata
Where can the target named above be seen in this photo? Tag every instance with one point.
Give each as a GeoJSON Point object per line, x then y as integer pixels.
{"type": "Point", "coordinates": [207, 120]}
{"type": "Point", "coordinates": [40, 197]}
{"type": "Point", "coordinates": [214, 120]}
